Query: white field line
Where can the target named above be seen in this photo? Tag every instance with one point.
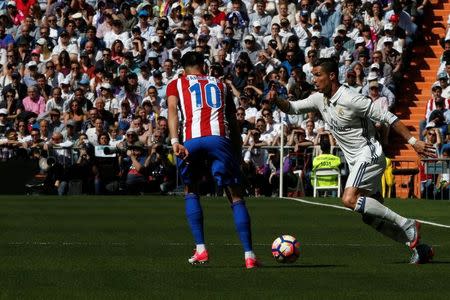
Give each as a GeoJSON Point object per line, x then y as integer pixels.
{"type": "Point", "coordinates": [345, 208]}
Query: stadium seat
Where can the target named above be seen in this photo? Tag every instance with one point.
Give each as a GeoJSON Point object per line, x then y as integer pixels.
{"type": "Point", "coordinates": [300, 190]}
{"type": "Point", "coordinates": [327, 172]}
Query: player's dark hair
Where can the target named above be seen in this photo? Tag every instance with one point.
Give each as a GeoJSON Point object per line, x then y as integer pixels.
{"type": "Point", "coordinates": [328, 65]}
{"type": "Point", "coordinates": [192, 59]}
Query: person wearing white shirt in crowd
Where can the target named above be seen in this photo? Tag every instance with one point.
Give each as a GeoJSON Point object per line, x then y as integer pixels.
{"type": "Point", "coordinates": [316, 43]}
{"type": "Point", "coordinates": [116, 33]}
{"type": "Point", "coordinates": [303, 29]}
{"type": "Point", "coordinates": [180, 44]}
{"type": "Point", "coordinates": [382, 102]}
{"type": "Point", "coordinates": [54, 78]}
{"type": "Point", "coordinates": [56, 101]}
{"type": "Point", "coordinates": [283, 13]}
{"type": "Point", "coordinates": [106, 95]}
{"type": "Point", "coordinates": [273, 127]}
{"type": "Point", "coordinates": [274, 35]}
{"type": "Point", "coordinates": [215, 30]}
{"type": "Point", "coordinates": [383, 90]}
{"type": "Point", "coordinates": [337, 50]}
{"type": "Point", "coordinates": [269, 63]}
{"type": "Point", "coordinates": [257, 33]}
{"type": "Point", "coordinates": [250, 111]}
{"type": "Point", "coordinates": [285, 31]}
{"type": "Point", "coordinates": [94, 132]}
{"type": "Point", "coordinates": [307, 68]}
{"type": "Point", "coordinates": [319, 124]}
{"type": "Point", "coordinates": [168, 73]}
{"type": "Point", "coordinates": [64, 44]}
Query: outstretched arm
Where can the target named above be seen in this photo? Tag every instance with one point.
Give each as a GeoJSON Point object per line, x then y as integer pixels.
{"type": "Point", "coordinates": [283, 105]}
{"type": "Point", "coordinates": [422, 148]}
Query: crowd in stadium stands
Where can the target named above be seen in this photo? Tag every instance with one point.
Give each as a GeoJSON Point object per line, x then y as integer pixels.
{"type": "Point", "coordinates": [434, 126]}
{"type": "Point", "coordinates": [91, 75]}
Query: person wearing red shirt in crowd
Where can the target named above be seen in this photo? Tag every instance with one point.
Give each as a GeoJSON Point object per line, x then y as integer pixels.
{"type": "Point", "coordinates": [13, 13]}
{"type": "Point", "coordinates": [219, 17]}
{"type": "Point", "coordinates": [24, 6]}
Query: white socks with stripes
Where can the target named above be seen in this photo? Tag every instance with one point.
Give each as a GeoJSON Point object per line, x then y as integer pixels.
{"type": "Point", "coordinates": [370, 206]}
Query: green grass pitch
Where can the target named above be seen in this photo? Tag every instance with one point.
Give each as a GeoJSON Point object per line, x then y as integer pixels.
{"type": "Point", "coordinates": [137, 247]}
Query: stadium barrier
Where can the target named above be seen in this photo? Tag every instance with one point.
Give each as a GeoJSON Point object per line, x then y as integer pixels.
{"type": "Point", "coordinates": [437, 174]}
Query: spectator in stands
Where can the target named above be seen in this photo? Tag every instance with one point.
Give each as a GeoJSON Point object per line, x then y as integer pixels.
{"type": "Point", "coordinates": [384, 70]}
{"type": "Point", "coordinates": [374, 17]}
{"type": "Point", "coordinates": [382, 102]}
{"type": "Point", "coordinates": [34, 102]}
{"type": "Point", "coordinates": [437, 117]}
{"type": "Point", "coordinates": [260, 16]}
{"type": "Point", "coordinates": [297, 138]}
{"type": "Point", "coordinates": [337, 50]}
{"type": "Point", "coordinates": [436, 92]}
{"type": "Point", "coordinates": [443, 82]}
{"type": "Point", "coordinates": [244, 125]}
{"type": "Point", "coordinates": [310, 133]}
{"type": "Point", "coordinates": [383, 90]}
{"type": "Point", "coordinates": [161, 172]}
{"type": "Point", "coordinates": [9, 102]}
{"type": "Point", "coordinates": [5, 78]}
{"type": "Point", "coordinates": [33, 140]}
{"type": "Point", "coordinates": [394, 59]}
{"type": "Point", "coordinates": [136, 164]}
{"type": "Point", "coordinates": [254, 163]}
{"type": "Point", "coordinates": [360, 75]}
{"type": "Point", "coordinates": [107, 117]}
{"type": "Point", "coordinates": [55, 124]}
{"type": "Point", "coordinates": [75, 114]}
{"type": "Point", "coordinates": [4, 124]}
{"type": "Point", "coordinates": [351, 81]}
{"type": "Point", "coordinates": [22, 131]}
{"type": "Point", "coordinates": [298, 85]}
{"type": "Point", "coordinates": [325, 160]}
{"type": "Point", "coordinates": [433, 135]}
{"type": "Point", "coordinates": [443, 180]}
{"type": "Point", "coordinates": [94, 133]}
{"type": "Point", "coordinates": [329, 16]}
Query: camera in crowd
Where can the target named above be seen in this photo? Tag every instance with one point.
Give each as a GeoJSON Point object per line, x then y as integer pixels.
{"type": "Point", "coordinates": [116, 150]}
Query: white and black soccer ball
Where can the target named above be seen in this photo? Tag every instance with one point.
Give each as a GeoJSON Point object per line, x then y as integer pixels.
{"type": "Point", "coordinates": [286, 249]}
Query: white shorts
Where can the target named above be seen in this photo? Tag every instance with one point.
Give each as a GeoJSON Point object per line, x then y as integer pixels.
{"type": "Point", "coordinates": [366, 175]}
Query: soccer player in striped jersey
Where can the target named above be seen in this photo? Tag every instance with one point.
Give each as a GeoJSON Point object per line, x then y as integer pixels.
{"type": "Point", "coordinates": [210, 133]}
{"type": "Point", "coordinates": [351, 116]}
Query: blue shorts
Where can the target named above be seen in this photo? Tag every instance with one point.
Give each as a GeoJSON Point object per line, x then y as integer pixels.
{"type": "Point", "coordinates": [215, 152]}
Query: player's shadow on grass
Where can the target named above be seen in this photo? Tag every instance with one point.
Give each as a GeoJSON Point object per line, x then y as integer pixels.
{"type": "Point", "coordinates": [434, 262]}
{"type": "Point", "coordinates": [270, 266]}
{"type": "Point", "coordinates": [304, 266]}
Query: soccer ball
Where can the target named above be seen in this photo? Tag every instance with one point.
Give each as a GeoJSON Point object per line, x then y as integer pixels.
{"type": "Point", "coordinates": [285, 249]}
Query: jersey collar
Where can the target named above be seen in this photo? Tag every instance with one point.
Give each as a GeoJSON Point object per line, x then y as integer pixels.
{"type": "Point", "coordinates": [337, 95]}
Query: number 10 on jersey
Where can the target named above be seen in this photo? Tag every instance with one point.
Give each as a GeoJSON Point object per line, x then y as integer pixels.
{"type": "Point", "coordinates": [212, 94]}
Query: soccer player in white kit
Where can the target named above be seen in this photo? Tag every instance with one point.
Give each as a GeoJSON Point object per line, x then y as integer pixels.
{"type": "Point", "coordinates": [351, 116]}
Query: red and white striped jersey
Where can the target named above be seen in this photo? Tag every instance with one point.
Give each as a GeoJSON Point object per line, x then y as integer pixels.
{"type": "Point", "coordinates": [202, 103]}
{"type": "Point", "coordinates": [431, 105]}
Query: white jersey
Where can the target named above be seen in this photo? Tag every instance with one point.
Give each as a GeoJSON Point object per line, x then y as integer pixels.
{"type": "Point", "coordinates": [350, 117]}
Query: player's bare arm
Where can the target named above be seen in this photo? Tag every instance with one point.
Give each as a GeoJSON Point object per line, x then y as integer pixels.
{"type": "Point", "coordinates": [422, 148]}
{"type": "Point", "coordinates": [178, 149]}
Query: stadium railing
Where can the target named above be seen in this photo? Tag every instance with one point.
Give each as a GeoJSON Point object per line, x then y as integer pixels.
{"type": "Point", "coordinates": [435, 185]}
